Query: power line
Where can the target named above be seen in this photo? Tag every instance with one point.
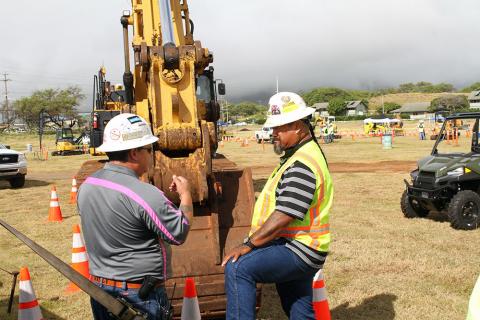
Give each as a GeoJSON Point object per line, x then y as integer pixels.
{"type": "Point", "coordinates": [6, 109]}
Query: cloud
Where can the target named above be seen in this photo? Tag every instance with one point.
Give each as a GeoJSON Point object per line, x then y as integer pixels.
{"type": "Point", "coordinates": [306, 43]}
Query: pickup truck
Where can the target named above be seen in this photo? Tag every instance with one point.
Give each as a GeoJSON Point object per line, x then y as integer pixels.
{"type": "Point", "coordinates": [13, 166]}
{"type": "Point", "coordinates": [266, 134]}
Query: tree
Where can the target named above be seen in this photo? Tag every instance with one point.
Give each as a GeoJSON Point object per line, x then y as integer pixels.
{"type": "Point", "coordinates": [427, 87]}
{"type": "Point", "coordinates": [388, 107]}
{"type": "Point", "coordinates": [247, 109]}
{"type": "Point", "coordinates": [326, 94]}
{"type": "Point", "coordinates": [451, 103]}
{"type": "Point", "coordinates": [337, 107]}
{"type": "Point", "coordinates": [57, 105]}
{"type": "Point", "coordinates": [473, 87]}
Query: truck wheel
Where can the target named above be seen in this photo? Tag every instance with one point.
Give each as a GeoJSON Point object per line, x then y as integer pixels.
{"type": "Point", "coordinates": [17, 182]}
{"type": "Point", "coordinates": [259, 140]}
{"type": "Point", "coordinates": [463, 210]}
{"type": "Point", "coordinates": [411, 208]}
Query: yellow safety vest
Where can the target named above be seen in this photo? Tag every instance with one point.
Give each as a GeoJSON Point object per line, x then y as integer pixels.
{"type": "Point", "coordinates": [314, 230]}
{"type": "Point", "coordinates": [474, 305]}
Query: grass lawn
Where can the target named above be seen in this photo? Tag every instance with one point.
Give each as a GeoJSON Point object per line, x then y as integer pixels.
{"type": "Point", "coordinates": [382, 265]}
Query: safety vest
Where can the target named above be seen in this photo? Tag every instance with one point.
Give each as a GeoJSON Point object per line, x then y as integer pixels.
{"type": "Point", "coordinates": [474, 305]}
{"type": "Point", "coordinates": [314, 230]}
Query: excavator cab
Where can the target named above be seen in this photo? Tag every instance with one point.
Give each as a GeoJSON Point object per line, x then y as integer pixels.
{"type": "Point", "coordinates": [66, 143]}
{"type": "Point", "coordinates": [64, 135]}
{"type": "Point", "coordinates": [109, 101]}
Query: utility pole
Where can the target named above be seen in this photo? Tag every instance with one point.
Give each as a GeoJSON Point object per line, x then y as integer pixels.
{"type": "Point", "coordinates": [6, 109]}
{"type": "Point", "coordinates": [383, 106]}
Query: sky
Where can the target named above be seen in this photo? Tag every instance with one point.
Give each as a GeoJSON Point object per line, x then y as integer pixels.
{"type": "Point", "coordinates": [351, 44]}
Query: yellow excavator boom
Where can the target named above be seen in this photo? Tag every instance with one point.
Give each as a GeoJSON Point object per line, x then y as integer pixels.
{"type": "Point", "coordinates": [173, 87]}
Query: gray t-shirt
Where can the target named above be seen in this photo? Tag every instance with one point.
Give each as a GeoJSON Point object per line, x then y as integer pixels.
{"type": "Point", "coordinates": [128, 225]}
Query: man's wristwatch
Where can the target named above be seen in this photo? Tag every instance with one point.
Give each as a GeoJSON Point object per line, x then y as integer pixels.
{"type": "Point", "coordinates": [248, 243]}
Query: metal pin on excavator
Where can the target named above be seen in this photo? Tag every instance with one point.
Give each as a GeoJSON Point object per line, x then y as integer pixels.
{"type": "Point", "coordinates": [173, 87]}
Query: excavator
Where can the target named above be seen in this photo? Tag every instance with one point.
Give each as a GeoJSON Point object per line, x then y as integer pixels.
{"type": "Point", "coordinates": [172, 86]}
{"type": "Point", "coordinates": [108, 101]}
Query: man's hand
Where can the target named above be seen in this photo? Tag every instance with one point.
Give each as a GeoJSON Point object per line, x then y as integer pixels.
{"type": "Point", "coordinates": [236, 253]}
{"type": "Point", "coordinates": [180, 185]}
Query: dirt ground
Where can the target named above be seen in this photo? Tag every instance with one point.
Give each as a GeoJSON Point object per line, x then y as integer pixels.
{"type": "Point", "coordinates": [338, 167]}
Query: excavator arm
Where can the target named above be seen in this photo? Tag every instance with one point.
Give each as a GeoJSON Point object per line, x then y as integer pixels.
{"type": "Point", "coordinates": [168, 66]}
{"type": "Point", "coordinates": [172, 86]}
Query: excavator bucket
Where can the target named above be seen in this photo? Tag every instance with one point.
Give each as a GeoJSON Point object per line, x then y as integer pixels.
{"type": "Point", "coordinates": [219, 224]}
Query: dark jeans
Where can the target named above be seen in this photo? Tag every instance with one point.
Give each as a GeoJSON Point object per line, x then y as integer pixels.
{"type": "Point", "coordinates": [277, 264]}
{"type": "Point", "coordinates": [153, 306]}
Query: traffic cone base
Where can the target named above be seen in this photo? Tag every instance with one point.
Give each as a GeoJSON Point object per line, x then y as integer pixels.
{"type": "Point", "coordinates": [54, 213]}
{"type": "Point", "coordinates": [28, 308]}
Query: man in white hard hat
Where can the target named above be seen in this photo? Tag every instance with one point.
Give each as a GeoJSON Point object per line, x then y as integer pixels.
{"type": "Point", "coordinates": [128, 225]}
{"type": "Point", "coordinates": [289, 237]}
{"type": "Point", "coordinates": [421, 130]}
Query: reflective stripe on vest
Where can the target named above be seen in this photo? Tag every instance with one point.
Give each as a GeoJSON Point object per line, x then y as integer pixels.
{"type": "Point", "coordinates": [314, 230]}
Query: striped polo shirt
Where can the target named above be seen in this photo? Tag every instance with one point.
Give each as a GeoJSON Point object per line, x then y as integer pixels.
{"type": "Point", "coordinates": [294, 195]}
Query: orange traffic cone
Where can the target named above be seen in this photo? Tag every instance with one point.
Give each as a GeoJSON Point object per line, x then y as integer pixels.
{"type": "Point", "coordinates": [320, 302]}
{"type": "Point", "coordinates": [73, 193]}
{"type": "Point", "coordinates": [54, 214]}
{"type": "Point", "coordinates": [79, 257]}
{"type": "Point", "coordinates": [190, 307]}
{"type": "Point", "coordinates": [28, 308]}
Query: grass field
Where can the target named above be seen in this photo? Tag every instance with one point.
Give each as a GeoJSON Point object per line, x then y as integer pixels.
{"type": "Point", "coordinates": [382, 266]}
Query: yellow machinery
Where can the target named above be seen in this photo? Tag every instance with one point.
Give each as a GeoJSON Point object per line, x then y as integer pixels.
{"type": "Point", "coordinates": [66, 143]}
{"type": "Point", "coordinates": [322, 121]}
{"type": "Point", "coordinates": [378, 126]}
{"type": "Point", "coordinates": [108, 101]}
{"type": "Point", "coordinates": [173, 87]}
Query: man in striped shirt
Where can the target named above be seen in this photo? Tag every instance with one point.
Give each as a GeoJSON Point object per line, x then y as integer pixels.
{"type": "Point", "coordinates": [290, 236]}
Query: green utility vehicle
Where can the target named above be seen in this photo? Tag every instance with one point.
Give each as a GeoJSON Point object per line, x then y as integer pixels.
{"type": "Point", "coordinates": [448, 180]}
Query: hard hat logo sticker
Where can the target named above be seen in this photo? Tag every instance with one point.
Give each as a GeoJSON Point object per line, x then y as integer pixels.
{"type": "Point", "coordinates": [115, 134]}
{"type": "Point", "coordinates": [275, 110]}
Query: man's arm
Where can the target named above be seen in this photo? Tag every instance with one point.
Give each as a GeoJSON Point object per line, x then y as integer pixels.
{"type": "Point", "coordinates": [271, 228]}
{"type": "Point", "coordinates": [267, 232]}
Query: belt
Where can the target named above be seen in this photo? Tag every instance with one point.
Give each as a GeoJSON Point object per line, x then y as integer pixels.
{"type": "Point", "coordinates": [121, 284]}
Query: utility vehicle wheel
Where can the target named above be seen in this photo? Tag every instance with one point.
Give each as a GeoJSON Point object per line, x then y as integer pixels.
{"type": "Point", "coordinates": [411, 208]}
{"type": "Point", "coordinates": [259, 141]}
{"type": "Point", "coordinates": [17, 182]}
{"type": "Point", "coordinates": [464, 209]}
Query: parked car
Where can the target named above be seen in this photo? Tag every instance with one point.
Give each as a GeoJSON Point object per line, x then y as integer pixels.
{"type": "Point", "coordinates": [13, 166]}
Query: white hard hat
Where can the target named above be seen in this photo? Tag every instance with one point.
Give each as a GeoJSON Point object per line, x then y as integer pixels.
{"type": "Point", "coordinates": [286, 107]}
{"type": "Point", "coordinates": [126, 131]}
